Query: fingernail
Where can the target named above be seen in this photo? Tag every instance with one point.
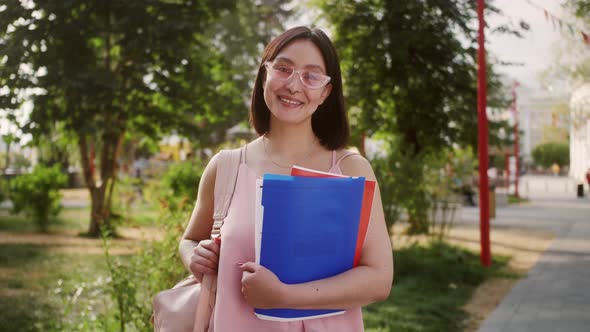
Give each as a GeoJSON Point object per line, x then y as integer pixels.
{"type": "Point", "coordinates": [240, 264]}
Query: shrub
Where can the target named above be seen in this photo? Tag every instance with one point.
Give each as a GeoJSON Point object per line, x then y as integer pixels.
{"type": "Point", "coordinates": [448, 175]}
{"type": "Point", "coordinates": [182, 179]}
{"type": "Point", "coordinates": [3, 189]}
{"type": "Point", "coordinates": [402, 187]}
{"type": "Point", "coordinates": [417, 184]}
{"type": "Point", "coordinates": [37, 194]}
{"type": "Point", "coordinates": [546, 154]}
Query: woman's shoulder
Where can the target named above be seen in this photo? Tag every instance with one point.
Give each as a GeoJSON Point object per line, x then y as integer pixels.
{"type": "Point", "coordinates": [222, 156]}
{"type": "Point", "coordinates": [354, 164]}
{"type": "Point", "coordinates": [209, 173]}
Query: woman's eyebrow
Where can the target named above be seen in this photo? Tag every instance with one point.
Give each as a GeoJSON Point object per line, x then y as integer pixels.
{"type": "Point", "coordinates": [309, 66]}
{"type": "Point", "coordinates": [280, 58]}
{"type": "Point", "coordinates": [315, 67]}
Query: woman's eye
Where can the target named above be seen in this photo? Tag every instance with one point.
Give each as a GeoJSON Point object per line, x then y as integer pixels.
{"type": "Point", "coordinates": [311, 76]}
{"type": "Point", "coordinates": [284, 69]}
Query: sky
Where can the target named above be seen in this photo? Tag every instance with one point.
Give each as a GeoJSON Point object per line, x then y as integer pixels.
{"type": "Point", "coordinates": [536, 50]}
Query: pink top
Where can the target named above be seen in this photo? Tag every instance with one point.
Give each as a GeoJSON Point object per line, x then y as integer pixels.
{"type": "Point", "coordinates": [232, 313]}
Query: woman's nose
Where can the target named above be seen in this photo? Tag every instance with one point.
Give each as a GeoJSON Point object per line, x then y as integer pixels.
{"type": "Point", "coordinates": [294, 82]}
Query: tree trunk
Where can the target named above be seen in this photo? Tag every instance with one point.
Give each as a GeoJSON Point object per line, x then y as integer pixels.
{"type": "Point", "coordinates": [418, 224]}
{"type": "Point", "coordinates": [100, 211]}
{"type": "Point", "coordinates": [99, 218]}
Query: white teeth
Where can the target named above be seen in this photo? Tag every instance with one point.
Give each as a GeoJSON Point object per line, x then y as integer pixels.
{"type": "Point", "coordinates": [292, 102]}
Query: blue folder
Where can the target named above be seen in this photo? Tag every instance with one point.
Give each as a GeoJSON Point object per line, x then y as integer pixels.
{"type": "Point", "coordinates": [309, 232]}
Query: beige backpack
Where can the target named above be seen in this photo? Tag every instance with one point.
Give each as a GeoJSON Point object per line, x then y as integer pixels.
{"type": "Point", "coordinates": [189, 305]}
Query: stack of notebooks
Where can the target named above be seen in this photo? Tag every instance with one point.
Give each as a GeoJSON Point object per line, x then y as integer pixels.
{"type": "Point", "coordinates": [309, 226]}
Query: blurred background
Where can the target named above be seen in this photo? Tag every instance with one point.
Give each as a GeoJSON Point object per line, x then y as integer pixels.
{"type": "Point", "coordinates": [109, 111]}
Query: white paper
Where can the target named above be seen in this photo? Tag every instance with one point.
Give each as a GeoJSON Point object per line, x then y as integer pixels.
{"type": "Point", "coordinates": [258, 216]}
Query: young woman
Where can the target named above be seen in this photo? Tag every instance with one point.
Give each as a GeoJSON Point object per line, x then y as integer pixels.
{"type": "Point", "coordinates": [298, 110]}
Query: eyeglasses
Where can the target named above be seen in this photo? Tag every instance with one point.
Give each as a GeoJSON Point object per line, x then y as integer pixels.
{"type": "Point", "coordinates": [309, 78]}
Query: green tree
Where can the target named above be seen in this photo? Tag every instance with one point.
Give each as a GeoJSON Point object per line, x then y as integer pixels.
{"type": "Point", "coordinates": [235, 42]}
{"type": "Point", "coordinates": [104, 68]}
{"type": "Point", "coordinates": [546, 154]}
{"type": "Point", "coordinates": [571, 61]}
{"type": "Point", "coordinates": [110, 72]}
{"type": "Point", "coordinates": [409, 68]}
{"type": "Point", "coordinates": [579, 70]}
{"type": "Point", "coordinates": [581, 7]}
{"type": "Point", "coordinates": [57, 147]}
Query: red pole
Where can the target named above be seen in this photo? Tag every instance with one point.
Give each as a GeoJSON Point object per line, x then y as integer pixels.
{"type": "Point", "coordinates": [484, 198]}
{"type": "Point", "coordinates": [516, 163]}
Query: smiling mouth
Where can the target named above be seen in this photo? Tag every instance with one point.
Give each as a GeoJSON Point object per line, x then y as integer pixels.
{"type": "Point", "coordinates": [290, 101]}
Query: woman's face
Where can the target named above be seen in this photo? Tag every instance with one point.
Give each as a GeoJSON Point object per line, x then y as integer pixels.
{"type": "Point", "coordinates": [289, 100]}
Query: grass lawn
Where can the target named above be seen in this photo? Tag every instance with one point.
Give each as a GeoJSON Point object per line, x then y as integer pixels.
{"type": "Point", "coordinates": [32, 281]}
{"type": "Point", "coordinates": [432, 284]}
{"type": "Point", "coordinates": [71, 219]}
{"type": "Point", "coordinates": [39, 282]}
{"type": "Point", "coordinates": [77, 219]}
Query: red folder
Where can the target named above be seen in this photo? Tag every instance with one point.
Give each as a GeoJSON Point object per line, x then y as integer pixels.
{"type": "Point", "coordinates": [365, 209]}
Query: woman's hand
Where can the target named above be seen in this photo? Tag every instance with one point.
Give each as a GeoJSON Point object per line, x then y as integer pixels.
{"type": "Point", "coordinates": [205, 258]}
{"type": "Point", "coordinates": [260, 287]}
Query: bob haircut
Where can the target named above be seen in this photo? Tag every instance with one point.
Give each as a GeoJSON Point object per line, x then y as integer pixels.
{"type": "Point", "coordinates": [330, 121]}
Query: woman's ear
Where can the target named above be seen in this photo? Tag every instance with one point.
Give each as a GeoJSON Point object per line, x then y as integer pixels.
{"type": "Point", "coordinates": [326, 92]}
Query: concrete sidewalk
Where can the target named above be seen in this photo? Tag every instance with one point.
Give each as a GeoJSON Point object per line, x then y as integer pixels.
{"type": "Point", "coordinates": [555, 294]}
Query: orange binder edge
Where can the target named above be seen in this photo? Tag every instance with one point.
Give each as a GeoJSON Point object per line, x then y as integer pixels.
{"type": "Point", "coordinates": [367, 204]}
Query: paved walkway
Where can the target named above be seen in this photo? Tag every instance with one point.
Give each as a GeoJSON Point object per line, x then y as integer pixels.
{"type": "Point", "coordinates": [555, 295]}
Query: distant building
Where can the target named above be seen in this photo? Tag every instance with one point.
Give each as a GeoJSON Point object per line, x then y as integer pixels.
{"type": "Point", "coordinates": [175, 148]}
{"type": "Point", "coordinates": [580, 133]}
{"type": "Point", "coordinates": [542, 119]}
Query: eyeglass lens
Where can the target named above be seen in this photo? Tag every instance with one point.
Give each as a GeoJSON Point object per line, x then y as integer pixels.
{"type": "Point", "coordinates": [309, 78]}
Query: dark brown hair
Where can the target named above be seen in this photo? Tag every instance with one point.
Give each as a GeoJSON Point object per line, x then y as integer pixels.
{"type": "Point", "coordinates": [330, 121]}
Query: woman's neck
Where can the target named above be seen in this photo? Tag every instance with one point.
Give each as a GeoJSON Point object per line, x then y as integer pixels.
{"type": "Point", "coordinates": [286, 147]}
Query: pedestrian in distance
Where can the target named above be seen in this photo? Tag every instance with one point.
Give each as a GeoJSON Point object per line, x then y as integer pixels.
{"type": "Point", "coordinates": [555, 169]}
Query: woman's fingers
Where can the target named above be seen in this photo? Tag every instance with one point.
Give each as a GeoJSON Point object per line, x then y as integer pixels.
{"type": "Point", "coordinates": [211, 246]}
{"type": "Point", "coordinates": [198, 276]}
{"type": "Point", "coordinates": [260, 287]}
{"type": "Point", "coordinates": [205, 258]}
{"type": "Point", "coordinates": [198, 268]}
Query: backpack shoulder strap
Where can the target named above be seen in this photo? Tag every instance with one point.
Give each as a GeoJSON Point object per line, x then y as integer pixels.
{"type": "Point", "coordinates": [346, 154]}
{"type": "Point", "coordinates": [225, 183]}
